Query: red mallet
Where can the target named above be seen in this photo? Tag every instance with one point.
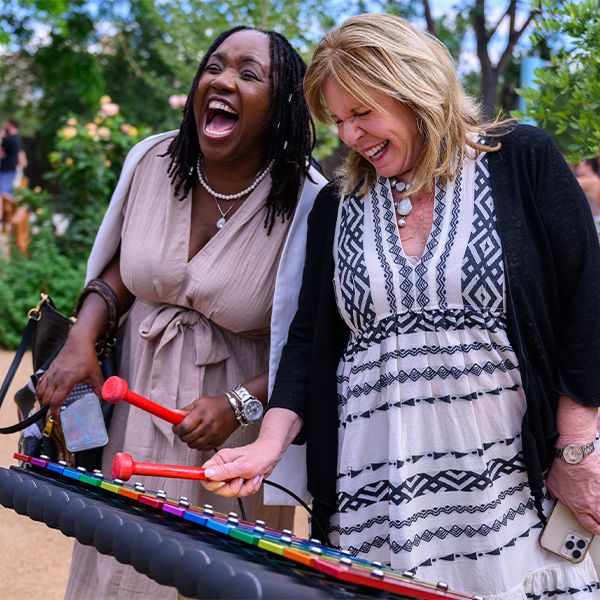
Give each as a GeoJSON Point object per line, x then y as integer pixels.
{"type": "Point", "coordinates": [115, 389]}
{"type": "Point", "coordinates": [123, 467]}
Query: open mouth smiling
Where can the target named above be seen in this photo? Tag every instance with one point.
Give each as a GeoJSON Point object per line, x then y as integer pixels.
{"type": "Point", "coordinates": [220, 119]}
{"type": "Point", "coordinates": [375, 152]}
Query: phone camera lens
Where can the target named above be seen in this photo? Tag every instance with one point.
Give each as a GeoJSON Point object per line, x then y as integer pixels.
{"type": "Point", "coordinates": [576, 554]}
{"type": "Point", "coordinates": [581, 544]}
{"type": "Point", "coordinates": [570, 545]}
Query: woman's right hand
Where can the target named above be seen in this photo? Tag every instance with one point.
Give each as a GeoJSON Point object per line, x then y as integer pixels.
{"type": "Point", "coordinates": [76, 362]}
{"type": "Point", "coordinates": [241, 471]}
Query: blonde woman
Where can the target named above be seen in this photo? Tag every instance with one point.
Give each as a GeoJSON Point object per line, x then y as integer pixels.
{"type": "Point", "coordinates": [443, 357]}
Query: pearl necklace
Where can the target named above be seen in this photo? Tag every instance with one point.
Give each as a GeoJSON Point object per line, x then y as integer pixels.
{"type": "Point", "coordinates": [404, 206]}
{"type": "Point", "coordinates": [259, 177]}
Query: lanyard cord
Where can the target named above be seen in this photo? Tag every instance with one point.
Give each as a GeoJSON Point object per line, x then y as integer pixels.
{"type": "Point", "coordinates": [318, 525]}
{"type": "Point", "coordinates": [299, 500]}
{"type": "Point", "coordinates": [313, 519]}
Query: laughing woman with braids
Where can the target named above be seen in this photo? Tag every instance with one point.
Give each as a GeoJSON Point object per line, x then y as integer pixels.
{"type": "Point", "coordinates": [190, 245]}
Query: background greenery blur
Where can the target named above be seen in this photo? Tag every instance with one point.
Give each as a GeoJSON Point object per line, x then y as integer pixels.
{"type": "Point", "coordinates": [88, 79]}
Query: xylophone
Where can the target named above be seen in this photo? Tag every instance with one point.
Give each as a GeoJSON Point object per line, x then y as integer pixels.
{"type": "Point", "coordinates": [202, 553]}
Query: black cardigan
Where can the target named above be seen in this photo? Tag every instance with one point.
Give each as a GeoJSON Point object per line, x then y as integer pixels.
{"type": "Point", "coordinates": [552, 269]}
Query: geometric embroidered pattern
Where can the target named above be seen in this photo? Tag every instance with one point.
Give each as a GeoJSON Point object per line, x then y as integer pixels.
{"type": "Point", "coordinates": [353, 277]}
{"type": "Point", "coordinates": [453, 319]}
{"type": "Point", "coordinates": [442, 533]}
{"type": "Point", "coordinates": [373, 467]}
{"type": "Point", "coordinates": [428, 374]}
{"type": "Point", "coordinates": [482, 269]}
{"type": "Point", "coordinates": [441, 268]}
{"type": "Point", "coordinates": [393, 244]}
{"type": "Point", "coordinates": [590, 588]}
{"type": "Point", "coordinates": [428, 351]}
{"type": "Point", "coordinates": [410, 402]}
{"type": "Point", "coordinates": [436, 512]}
{"type": "Point", "coordinates": [456, 531]}
{"type": "Point", "coordinates": [533, 531]}
{"type": "Point", "coordinates": [421, 268]}
{"type": "Point", "coordinates": [429, 483]}
{"type": "Point", "coordinates": [389, 218]}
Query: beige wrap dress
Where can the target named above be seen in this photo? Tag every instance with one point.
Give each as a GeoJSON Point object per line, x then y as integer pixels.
{"type": "Point", "coordinates": [197, 328]}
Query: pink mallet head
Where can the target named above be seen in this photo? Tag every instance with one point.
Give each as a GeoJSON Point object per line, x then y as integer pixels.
{"type": "Point", "coordinates": [122, 466]}
{"type": "Point", "coordinates": [114, 389]}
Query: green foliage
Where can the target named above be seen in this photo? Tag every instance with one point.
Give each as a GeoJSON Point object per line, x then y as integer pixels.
{"type": "Point", "coordinates": [86, 163]}
{"type": "Point", "coordinates": [567, 101]}
{"type": "Point", "coordinates": [327, 141]}
{"type": "Point", "coordinates": [44, 268]}
{"type": "Point", "coordinates": [64, 219]}
{"type": "Point", "coordinates": [138, 51]}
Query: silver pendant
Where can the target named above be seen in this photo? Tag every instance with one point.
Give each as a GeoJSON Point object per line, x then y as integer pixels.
{"type": "Point", "coordinates": [400, 186]}
{"type": "Point", "coordinates": [401, 222]}
{"type": "Point", "coordinates": [404, 207]}
{"type": "Point", "coordinates": [221, 222]}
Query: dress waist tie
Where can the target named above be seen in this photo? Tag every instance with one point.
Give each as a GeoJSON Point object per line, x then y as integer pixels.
{"type": "Point", "coordinates": [164, 329]}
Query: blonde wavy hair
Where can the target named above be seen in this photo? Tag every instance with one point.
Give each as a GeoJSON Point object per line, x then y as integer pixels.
{"type": "Point", "coordinates": [385, 53]}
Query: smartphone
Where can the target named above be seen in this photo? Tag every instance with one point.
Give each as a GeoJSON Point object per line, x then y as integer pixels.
{"type": "Point", "coordinates": [82, 420]}
{"type": "Point", "coordinates": [564, 536]}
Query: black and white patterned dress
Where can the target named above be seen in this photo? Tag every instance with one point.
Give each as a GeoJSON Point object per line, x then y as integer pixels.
{"type": "Point", "coordinates": [431, 476]}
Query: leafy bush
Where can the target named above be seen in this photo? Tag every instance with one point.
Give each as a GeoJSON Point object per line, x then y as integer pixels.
{"type": "Point", "coordinates": [24, 276]}
{"type": "Point", "coordinates": [86, 165]}
{"type": "Point", "coordinates": [566, 101]}
{"type": "Point", "coordinates": [64, 219]}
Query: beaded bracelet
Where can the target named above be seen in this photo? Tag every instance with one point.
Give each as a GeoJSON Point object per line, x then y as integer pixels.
{"type": "Point", "coordinates": [104, 345]}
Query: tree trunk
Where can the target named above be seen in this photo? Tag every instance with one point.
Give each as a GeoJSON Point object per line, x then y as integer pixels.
{"type": "Point", "coordinates": [488, 79]}
{"type": "Point", "coordinates": [489, 92]}
{"type": "Point", "coordinates": [491, 74]}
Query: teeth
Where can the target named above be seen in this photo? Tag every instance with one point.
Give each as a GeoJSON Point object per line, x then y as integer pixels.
{"type": "Point", "coordinates": [217, 105]}
{"type": "Point", "coordinates": [371, 152]}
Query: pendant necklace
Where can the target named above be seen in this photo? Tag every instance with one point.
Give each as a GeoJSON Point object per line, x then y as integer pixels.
{"type": "Point", "coordinates": [404, 206]}
{"type": "Point", "coordinates": [237, 196]}
{"type": "Point", "coordinates": [221, 222]}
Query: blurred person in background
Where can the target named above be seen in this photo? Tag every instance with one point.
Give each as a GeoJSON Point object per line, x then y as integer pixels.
{"type": "Point", "coordinates": [10, 153]}
{"type": "Point", "coordinates": [589, 180]}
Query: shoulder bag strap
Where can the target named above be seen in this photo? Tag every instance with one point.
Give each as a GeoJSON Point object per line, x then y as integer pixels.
{"type": "Point", "coordinates": [33, 318]}
{"type": "Point", "coordinates": [24, 344]}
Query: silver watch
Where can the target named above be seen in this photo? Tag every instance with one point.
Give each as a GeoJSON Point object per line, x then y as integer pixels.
{"type": "Point", "coordinates": [251, 409]}
{"type": "Point", "coordinates": [574, 453]}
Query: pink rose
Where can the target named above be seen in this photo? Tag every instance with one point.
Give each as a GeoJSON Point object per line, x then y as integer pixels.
{"type": "Point", "coordinates": [110, 109]}
{"type": "Point", "coordinates": [177, 101]}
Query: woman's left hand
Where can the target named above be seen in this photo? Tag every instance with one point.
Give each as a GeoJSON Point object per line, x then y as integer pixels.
{"type": "Point", "coordinates": [578, 487]}
{"type": "Point", "coordinates": [209, 422]}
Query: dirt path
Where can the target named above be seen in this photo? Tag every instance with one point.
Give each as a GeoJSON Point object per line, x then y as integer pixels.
{"type": "Point", "coordinates": [34, 560]}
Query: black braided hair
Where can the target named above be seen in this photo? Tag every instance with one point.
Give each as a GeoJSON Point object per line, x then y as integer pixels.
{"type": "Point", "coordinates": [290, 141]}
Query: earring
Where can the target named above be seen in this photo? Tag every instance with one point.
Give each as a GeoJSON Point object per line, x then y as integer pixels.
{"type": "Point", "coordinates": [285, 144]}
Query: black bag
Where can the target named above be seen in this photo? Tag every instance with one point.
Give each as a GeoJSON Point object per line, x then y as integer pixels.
{"type": "Point", "coordinates": [47, 331]}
